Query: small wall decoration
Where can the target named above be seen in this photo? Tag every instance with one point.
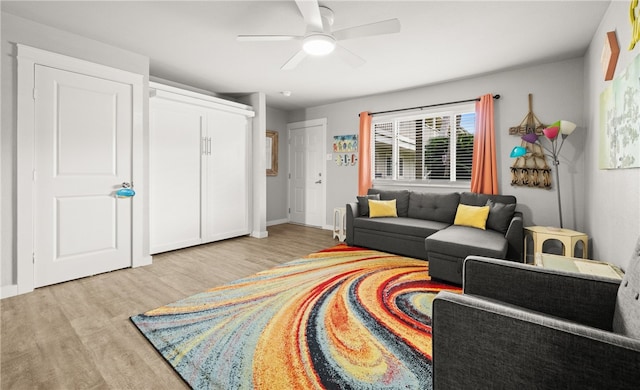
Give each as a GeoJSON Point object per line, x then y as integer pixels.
{"type": "Point", "coordinates": [272, 153]}
{"type": "Point", "coordinates": [345, 143]}
{"type": "Point", "coordinates": [634, 18]}
{"type": "Point", "coordinates": [346, 147]}
{"type": "Point", "coordinates": [619, 119]}
{"type": "Point", "coordinates": [346, 160]}
{"type": "Point", "coordinates": [609, 58]}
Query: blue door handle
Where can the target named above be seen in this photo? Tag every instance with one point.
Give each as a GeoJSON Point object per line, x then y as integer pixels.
{"type": "Point", "coordinates": [126, 191]}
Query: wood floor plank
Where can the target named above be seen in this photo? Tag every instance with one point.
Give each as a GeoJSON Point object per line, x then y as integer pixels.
{"type": "Point", "coordinates": [77, 335]}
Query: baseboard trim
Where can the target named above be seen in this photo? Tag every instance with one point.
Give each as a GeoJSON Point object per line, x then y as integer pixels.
{"type": "Point", "coordinates": [8, 291]}
{"type": "Point", "coordinates": [277, 222]}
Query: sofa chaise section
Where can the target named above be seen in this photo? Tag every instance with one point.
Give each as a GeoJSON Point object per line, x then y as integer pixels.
{"type": "Point", "coordinates": [447, 248]}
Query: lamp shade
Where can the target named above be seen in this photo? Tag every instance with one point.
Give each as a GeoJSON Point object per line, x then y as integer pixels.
{"type": "Point", "coordinates": [566, 127]}
{"type": "Point", "coordinates": [518, 151]}
{"type": "Point", "coordinates": [551, 132]}
{"type": "Point", "coordinates": [530, 138]}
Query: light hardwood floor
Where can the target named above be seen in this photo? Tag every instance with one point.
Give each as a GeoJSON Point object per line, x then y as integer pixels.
{"type": "Point", "coordinates": [77, 335]}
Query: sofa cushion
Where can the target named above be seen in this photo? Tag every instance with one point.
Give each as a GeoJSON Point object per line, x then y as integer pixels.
{"type": "Point", "coordinates": [472, 216]}
{"type": "Point", "coordinates": [401, 197]}
{"type": "Point", "coordinates": [626, 317]}
{"type": "Point", "coordinates": [401, 225]}
{"type": "Point", "coordinates": [473, 199]}
{"type": "Point", "coordinates": [462, 241]}
{"type": "Point", "coordinates": [500, 215]}
{"type": "Point", "coordinates": [382, 208]}
{"type": "Point", "coordinates": [433, 207]}
{"type": "Point", "coordinates": [363, 203]}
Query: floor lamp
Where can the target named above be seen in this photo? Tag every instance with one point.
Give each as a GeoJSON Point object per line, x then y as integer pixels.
{"type": "Point", "coordinates": [560, 128]}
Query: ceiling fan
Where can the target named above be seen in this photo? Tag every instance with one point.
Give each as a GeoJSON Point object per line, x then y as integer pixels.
{"type": "Point", "coordinates": [320, 40]}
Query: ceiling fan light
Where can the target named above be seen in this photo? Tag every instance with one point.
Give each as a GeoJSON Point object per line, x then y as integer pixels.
{"type": "Point", "coordinates": [318, 44]}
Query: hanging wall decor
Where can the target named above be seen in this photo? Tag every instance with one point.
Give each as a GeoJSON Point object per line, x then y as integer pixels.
{"type": "Point", "coordinates": [619, 118]}
{"type": "Point", "coordinates": [346, 147]}
{"type": "Point", "coordinates": [272, 153]}
{"type": "Point", "coordinates": [345, 143]}
{"type": "Point", "coordinates": [610, 53]}
{"type": "Point", "coordinates": [531, 169]}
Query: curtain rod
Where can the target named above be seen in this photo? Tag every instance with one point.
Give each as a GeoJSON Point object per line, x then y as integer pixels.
{"type": "Point", "coordinates": [430, 105]}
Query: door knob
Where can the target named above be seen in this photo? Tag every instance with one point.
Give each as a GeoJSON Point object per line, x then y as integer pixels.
{"type": "Point", "coordinates": [126, 191]}
{"type": "Point", "coordinates": [319, 182]}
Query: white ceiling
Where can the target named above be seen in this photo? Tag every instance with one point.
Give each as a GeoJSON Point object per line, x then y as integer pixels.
{"type": "Point", "coordinates": [194, 42]}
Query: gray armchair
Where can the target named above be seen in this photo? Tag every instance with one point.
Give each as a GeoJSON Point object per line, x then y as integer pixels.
{"type": "Point", "coordinates": [518, 326]}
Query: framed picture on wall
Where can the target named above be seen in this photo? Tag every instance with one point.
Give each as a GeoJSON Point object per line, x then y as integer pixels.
{"type": "Point", "coordinates": [272, 153]}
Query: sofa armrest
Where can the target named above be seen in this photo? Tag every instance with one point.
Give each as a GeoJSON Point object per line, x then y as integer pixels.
{"type": "Point", "coordinates": [515, 237]}
{"type": "Point", "coordinates": [482, 344]}
{"type": "Point", "coordinates": [586, 299]}
{"type": "Point", "coordinates": [352, 212]}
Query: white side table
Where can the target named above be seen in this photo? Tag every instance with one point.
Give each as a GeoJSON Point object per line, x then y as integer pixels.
{"type": "Point", "coordinates": [568, 238]}
{"type": "Point", "coordinates": [339, 223]}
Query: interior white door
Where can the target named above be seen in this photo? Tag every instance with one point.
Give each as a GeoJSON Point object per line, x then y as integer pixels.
{"type": "Point", "coordinates": [306, 167]}
{"type": "Point", "coordinates": [83, 154]}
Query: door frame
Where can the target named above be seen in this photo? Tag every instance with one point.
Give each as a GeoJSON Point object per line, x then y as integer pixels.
{"type": "Point", "coordinates": [27, 58]}
{"type": "Point", "coordinates": [322, 122]}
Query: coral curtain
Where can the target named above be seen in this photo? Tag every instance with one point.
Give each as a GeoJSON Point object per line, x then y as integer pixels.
{"type": "Point", "coordinates": [484, 176]}
{"type": "Point", "coordinates": [364, 155]}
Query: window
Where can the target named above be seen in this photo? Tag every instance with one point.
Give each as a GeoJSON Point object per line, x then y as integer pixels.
{"type": "Point", "coordinates": [418, 148]}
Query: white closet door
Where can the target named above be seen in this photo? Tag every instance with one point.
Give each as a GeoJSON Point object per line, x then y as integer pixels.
{"type": "Point", "coordinates": [175, 149]}
{"type": "Point", "coordinates": [83, 153]}
{"type": "Point", "coordinates": [227, 178]}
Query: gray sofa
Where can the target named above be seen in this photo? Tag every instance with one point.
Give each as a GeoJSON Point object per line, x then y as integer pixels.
{"type": "Point", "coordinates": [518, 326]}
{"type": "Point", "coordinates": [424, 229]}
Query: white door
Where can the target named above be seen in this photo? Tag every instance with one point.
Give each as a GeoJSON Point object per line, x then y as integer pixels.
{"type": "Point", "coordinates": [176, 144]}
{"type": "Point", "coordinates": [306, 169]}
{"type": "Point", "coordinates": [83, 153]}
{"type": "Point", "coordinates": [227, 176]}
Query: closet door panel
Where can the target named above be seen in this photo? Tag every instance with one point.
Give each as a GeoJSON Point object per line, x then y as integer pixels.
{"type": "Point", "coordinates": [175, 150]}
{"type": "Point", "coordinates": [227, 176]}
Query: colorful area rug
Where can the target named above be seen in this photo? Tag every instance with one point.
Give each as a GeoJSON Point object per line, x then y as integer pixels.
{"type": "Point", "coordinates": [342, 318]}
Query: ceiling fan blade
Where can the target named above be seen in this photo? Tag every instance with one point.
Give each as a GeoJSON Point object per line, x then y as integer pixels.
{"type": "Point", "coordinates": [311, 13]}
{"type": "Point", "coordinates": [294, 61]}
{"type": "Point", "coordinates": [366, 30]}
{"type": "Point", "coordinates": [263, 38]}
{"type": "Point", "coordinates": [349, 57]}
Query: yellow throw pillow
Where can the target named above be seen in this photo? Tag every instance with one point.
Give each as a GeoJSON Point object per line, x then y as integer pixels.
{"type": "Point", "coordinates": [474, 216]}
{"type": "Point", "coordinates": [382, 208]}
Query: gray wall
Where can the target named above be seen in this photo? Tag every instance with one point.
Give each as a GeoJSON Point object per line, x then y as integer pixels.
{"type": "Point", "coordinates": [557, 90]}
{"type": "Point", "coordinates": [18, 30]}
{"type": "Point", "coordinates": [277, 185]}
{"type": "Point", "coordinates": [612, 212]}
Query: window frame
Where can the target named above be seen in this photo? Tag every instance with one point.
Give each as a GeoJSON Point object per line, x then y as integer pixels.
{"type": "Point", "coordinates": [399, 180]}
